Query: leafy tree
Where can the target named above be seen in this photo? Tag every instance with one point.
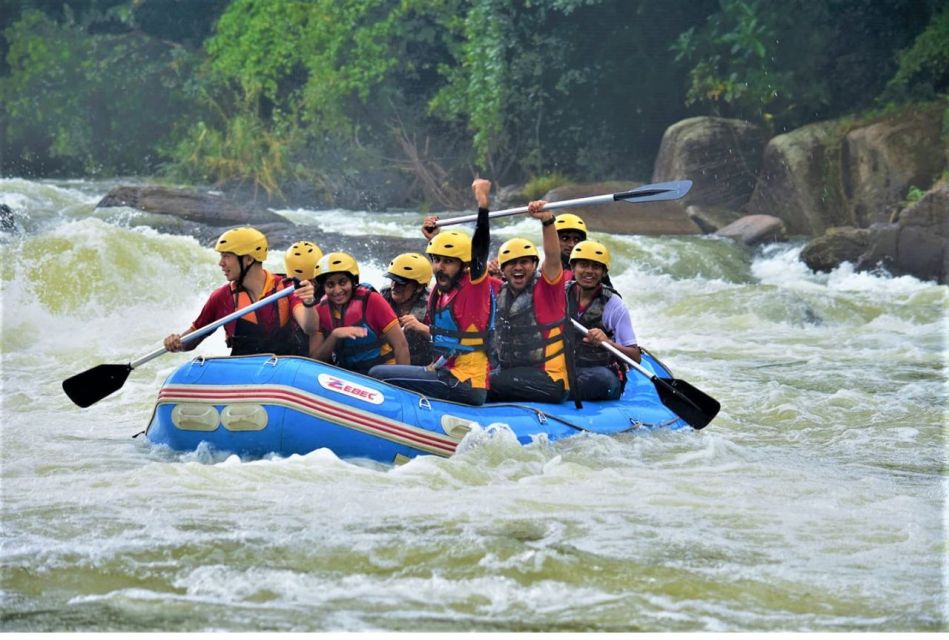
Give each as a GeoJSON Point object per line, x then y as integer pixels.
{"type": "Point", "coordinates": [314, 78]}
{"type": "Point", "coordinates": [796, 61]}
{"type": "Point", "coordinates": [923, 71]}
{"type": "Point", "coordinates": [96, 104]}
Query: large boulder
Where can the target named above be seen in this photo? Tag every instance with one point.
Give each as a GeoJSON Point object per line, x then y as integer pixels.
{"type": "Point", "coordinates": [191, 205]}
{"type": "Point", "coordinates": [917, 243]}
{"type": "Point", "coordinates": [647, 218]}
{"type": "Point", "coordinates": [800, 180]}
{"type": "Point", "coordinates": [836, 246]}
{"type": "Point", "coordinates": [883, 160]}
{"type": "Point", "coordinates": [721, 156]}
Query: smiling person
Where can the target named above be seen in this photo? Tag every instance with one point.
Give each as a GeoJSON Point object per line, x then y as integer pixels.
{"type": "Point", "coordinates": [459, 313]}
{"type": "Point", "coordinates": [600, 374]}
{"type": "Point", "coordinates": [358, 328]}
{"type": "Point", "coordinates": [531, 310]}
{"type": "Point", "coordinates": [270, 329]}
{"type": "Point", "coordinates": [411, 274]}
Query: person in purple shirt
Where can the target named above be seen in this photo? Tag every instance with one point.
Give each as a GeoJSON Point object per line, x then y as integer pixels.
{"type": "Point", "coordinates": [600, 375]}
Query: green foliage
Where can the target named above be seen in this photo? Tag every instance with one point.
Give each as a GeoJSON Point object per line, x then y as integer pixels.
{"type": "Point", "coordinates": [333, 91]}
{"type": "Point", "coordinates": [308, 75]}
{"type": "Point", "coordinates": [245, 151]}
{"type": "Point", "coordinates": [85, 104]}
{"type": "Point", "coordinates": [733, 70]}
{"type": "Point", "coordinates": [797, 61]}
{"type": "Point", "coordinates": [476, 88]}
{"type": "Point", "coordinates": [914, 194]}
{"type": "Point", "coordinates": [923, 71]}
{"type": "Point", "coordinates": [536, 187]}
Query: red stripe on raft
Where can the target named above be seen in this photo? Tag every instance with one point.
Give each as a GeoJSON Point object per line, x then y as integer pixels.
{"type": "Point", "coordinates": [224, 395]}
{"type": "Point", "coordinates": [295, 398]}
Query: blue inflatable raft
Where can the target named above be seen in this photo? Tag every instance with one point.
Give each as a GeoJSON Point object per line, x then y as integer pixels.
{"type": "Point", "coordinates": [257, 405]}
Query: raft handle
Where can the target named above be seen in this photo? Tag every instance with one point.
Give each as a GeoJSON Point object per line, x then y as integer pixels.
{"type": "Point", "coordinates": [423, 403]}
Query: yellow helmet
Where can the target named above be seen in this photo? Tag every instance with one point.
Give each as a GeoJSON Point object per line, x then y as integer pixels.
{"type": "Point", "coordinates": [454, 244]}
{"type": "Point", "coordinates": [301, 259]}
{"type": "Point", "coordinates": [592, 251]}
{"type": "Point", "coordinates": [410, 266]}
{"type": "Point", "coordinates": [337, 262]}
{"type": "Point", "coordinates": [517, 248]}
{"type": "Point", "coordinates": [570, 222]}
{"type": "Point", "coordinates": [243, 241]}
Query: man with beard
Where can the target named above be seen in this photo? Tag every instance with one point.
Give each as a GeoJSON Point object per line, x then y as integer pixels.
{"type": "Point", "coordinates": [529, 333]}
{"type": "Point", "coordinates": [599, 374]}
{"type": "Point", "coordinates": [460, 310]}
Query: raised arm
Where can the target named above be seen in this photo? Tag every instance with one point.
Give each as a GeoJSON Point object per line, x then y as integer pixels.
{"type": "Point", "coordinates": [481, 241]}
{"type": "Point", "coordinates": [551, 267]}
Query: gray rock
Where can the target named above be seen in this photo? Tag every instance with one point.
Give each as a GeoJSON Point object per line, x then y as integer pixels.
{"type": "Point", "coordinates": [917, 244]}
{"type": "Point", "coordinates": [883, 160]}
{"type": "Point", "coordinates": [190, 205]}
{"type": "Point", "coordinates": [800, 180]}
{"type": "Point", "coordinates": [711, 219]}
{"type": "Point", "coordinates": [721, 156]}
{"type": "Point", "coordinates": [838, 245]}
{"type": "Point", "coordinates": [510, 196]}
{"type": "Point", "coordinates": [754, 230]}
{"type": "Point", "coordinates": [7, 220]}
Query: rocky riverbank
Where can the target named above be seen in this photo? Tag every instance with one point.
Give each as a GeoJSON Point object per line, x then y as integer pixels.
{"type": "Point", "coordinates": [870, 191]}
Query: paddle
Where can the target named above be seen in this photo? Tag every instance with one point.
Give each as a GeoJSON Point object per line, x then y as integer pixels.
{"type": "Point", "coordinates": [92, 385]}
{"type": "Point", "coordinates": [692, 405]}
{"type": "Point", "coordinates": [647, 193]}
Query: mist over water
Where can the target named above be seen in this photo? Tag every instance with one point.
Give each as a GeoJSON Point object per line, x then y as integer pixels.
{"type": "Point", "coordinates": [815, 501]}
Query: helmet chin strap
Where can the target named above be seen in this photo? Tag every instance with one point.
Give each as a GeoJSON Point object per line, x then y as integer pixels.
{"type": "Point", "coordinates": [244, 270]}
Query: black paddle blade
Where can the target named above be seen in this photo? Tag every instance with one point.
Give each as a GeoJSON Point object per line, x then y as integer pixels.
{"type": "Point", "coordinates": [691, 404]}
{"type": "Point", "coordinates": [92, 385]}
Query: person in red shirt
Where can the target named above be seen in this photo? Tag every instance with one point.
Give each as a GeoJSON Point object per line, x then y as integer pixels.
{"type": "Point", "coordinates": [459, 313]}
{"type": "Point", "coordinates": [531, 315]}
{"type": "Point", "coordinates": [270, 329]}
{"type": "Point", "coordinates": [358, 328]}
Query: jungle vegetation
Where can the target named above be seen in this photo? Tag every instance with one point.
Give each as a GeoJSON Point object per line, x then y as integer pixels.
{"type": "Point", "coordinates": [416, 96]}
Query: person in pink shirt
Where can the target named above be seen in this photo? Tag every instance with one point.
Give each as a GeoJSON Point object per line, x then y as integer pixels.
{"type": "Point", "coordinates": [358, 329]}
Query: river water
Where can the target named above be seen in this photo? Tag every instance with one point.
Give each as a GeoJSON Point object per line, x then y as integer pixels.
{"type": "Point", "coordinates": [815, 501]}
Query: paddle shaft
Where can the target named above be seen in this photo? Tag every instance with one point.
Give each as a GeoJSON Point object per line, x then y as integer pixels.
{"type": "Point", "coordinates": [563, 204]}
{"type": "Point", "coordinates": [647, 193]}
{"type": "Point", "coordinates": [692, 405]}
{"type": "Point", "coordinates": [619, 354]}
{"type": "Point", "coordinates": [205, 330]}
